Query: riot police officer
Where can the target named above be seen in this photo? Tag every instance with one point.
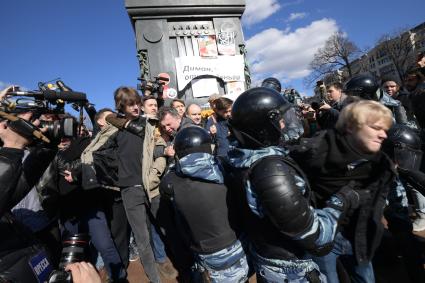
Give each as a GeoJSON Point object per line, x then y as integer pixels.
{"type": "Point", "coordinates": [272, 83]}
{"type": "Point", "coordinates": [271, 193]}
{"type": "Point", "coordinates": [366, 86]}
{"type": "Point", "coordinates": [196, 187]}
{"type": "Point", "coordinates": [406, 210]}
{"type": "Point", "coordinates": [294, 128]}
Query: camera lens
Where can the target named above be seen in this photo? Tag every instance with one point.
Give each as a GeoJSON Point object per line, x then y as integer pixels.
{"type": "Point", "coordinates": [75, 249]}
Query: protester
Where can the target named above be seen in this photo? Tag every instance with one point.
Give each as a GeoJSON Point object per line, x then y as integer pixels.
{"type": "Point", "coordinates": [193, 112]}
{"type": "Point", "coordinates": [391, 87]}
{"type": "Point", "coordinates": [350, 154]}
{"type": "Point", "coordinates": [217, 124]}
{"type": "Point", "coordinates": [153, 167]}
{"type": "Point", "coordinates": [180, 106]}
{"type": "Point", "coordinates": [414, 84]}
{"type": "Point", "coordinates": [130, 178]}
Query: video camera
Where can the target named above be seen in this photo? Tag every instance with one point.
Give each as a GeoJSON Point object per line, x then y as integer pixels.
{"type": "Point", "coordinates": [49, 99]}
{"type": "Point", "coordinates": [153, 87]}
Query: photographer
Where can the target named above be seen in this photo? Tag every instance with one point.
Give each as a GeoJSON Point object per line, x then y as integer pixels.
{"type": "Point", "coordinates": [81, 210]}
{"type": "Point", "coordinates": [329, 112]}
{"type": "Point", "coordinates": [20, 252]}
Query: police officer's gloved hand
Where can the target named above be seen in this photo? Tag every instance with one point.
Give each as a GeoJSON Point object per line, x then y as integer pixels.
{"type": "Point", "coordinates": [116, 121]}
{"type": "Point", "coordinates": [349, 198]}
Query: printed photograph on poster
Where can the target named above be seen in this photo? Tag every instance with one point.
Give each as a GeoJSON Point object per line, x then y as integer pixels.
{"type": "Point", "coordinates": [207, 46]}
{"type": "Point", "coordinates": [204, 87]}
{"type": "Point", "coordinates": [226, 43]}
{"type": "Point", "coordinates": [234, 89]}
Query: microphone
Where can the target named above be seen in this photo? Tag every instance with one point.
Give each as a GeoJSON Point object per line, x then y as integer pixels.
{"type": "Point", "coordinates": [62, 86]}
{"type": "Point", "coordinates": [72, 96]}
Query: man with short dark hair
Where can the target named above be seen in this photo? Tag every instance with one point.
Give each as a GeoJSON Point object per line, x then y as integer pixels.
{"type": "Point", "coordinates": [154, 165]}
{"type": "Point", "coordinates": [171, 121]}
{"type": "Point", "coordinates": [149, 105]}
{"type": "Point", "coordinates": [420, 61]}
{"type": "Point", "coordinates": [180, 106]}
{"type": "Point", "coordinates": [327, 114]}
{"type": "Point", "coordinates": [414, 101]}
{"type": "Point", "coordinates": [217, 124]}
{"type": "Point", "coordinates": [391, 87]}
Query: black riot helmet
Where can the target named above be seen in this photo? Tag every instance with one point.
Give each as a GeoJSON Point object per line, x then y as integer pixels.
{"type": "Point", "coordinates": [272, 83]}
{"type": "Point", "coordinates": [364, 86]}
{"type": "Point", "coordinates": [191, 140]}
{"type": "Point", "coordinates": [403, 145]}
{"type": "Point", "coordinates": [256, 116]}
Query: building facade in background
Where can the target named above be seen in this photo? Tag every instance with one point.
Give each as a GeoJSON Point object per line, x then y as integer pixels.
{"type": "Point", "coordinates": [392, 56]}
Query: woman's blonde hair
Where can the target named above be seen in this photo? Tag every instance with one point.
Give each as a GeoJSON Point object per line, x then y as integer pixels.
{"type": "Point", "coordinates": [358, 114]}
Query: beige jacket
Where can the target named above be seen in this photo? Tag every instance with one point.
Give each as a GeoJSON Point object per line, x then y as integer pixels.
{"type": "Point", "coordinates": [152, 170]}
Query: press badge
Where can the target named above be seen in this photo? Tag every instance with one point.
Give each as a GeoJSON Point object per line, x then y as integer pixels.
{"type": "Point", "coordinates": [41, 267]}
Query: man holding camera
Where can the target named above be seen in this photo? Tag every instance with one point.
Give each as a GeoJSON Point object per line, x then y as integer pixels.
{"type": "Point", "coordinates": [330, 112]}
{"type": "Point", "coordinates": [22, 258]}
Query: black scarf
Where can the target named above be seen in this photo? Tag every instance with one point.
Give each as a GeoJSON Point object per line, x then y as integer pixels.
{"type": "Point", "coordinates": [337, 163]}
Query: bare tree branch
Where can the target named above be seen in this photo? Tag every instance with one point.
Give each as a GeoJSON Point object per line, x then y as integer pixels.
{"type": "Point", "coordinates": [399, 48]}
{"type": "Point", "coordinates": [337, 53]}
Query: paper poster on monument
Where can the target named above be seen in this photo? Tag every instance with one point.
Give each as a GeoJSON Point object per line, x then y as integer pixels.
{"type": "Point", "coordinates": [207, 46]}
{"type": "Point", "coordinates": [204, 87]}
{"type": "Point", "coordinates": [234, 89]}
{"type": "Point", "coordinates": [228, 68]}
{"type": "Point", "coordinates": [226, 43]}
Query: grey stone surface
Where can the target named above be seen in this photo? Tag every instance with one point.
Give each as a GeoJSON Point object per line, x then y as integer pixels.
{"type": "Point", "coordinates": [166, 29]}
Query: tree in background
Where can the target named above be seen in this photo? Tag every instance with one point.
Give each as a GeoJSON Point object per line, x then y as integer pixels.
{"type": "Point", "coordinates": [337, 54]}
{"type": "Point", "coordinates": [399, 47]}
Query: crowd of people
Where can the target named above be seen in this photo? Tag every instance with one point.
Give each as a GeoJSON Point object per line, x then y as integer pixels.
{"type": "Point", "coordinates": [267, 186]}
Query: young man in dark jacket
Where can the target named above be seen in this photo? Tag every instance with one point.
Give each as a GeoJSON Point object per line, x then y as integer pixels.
{"type": "Point", "coordinates": [217, 125]}
{"type": "Point", "coordinates": [130, 176]}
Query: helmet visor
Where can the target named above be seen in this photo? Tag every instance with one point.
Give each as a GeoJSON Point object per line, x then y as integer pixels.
{"type": "Point", "coordinates": [294, 128]}
{"type": "Point", "coordinates": [408, 158]}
